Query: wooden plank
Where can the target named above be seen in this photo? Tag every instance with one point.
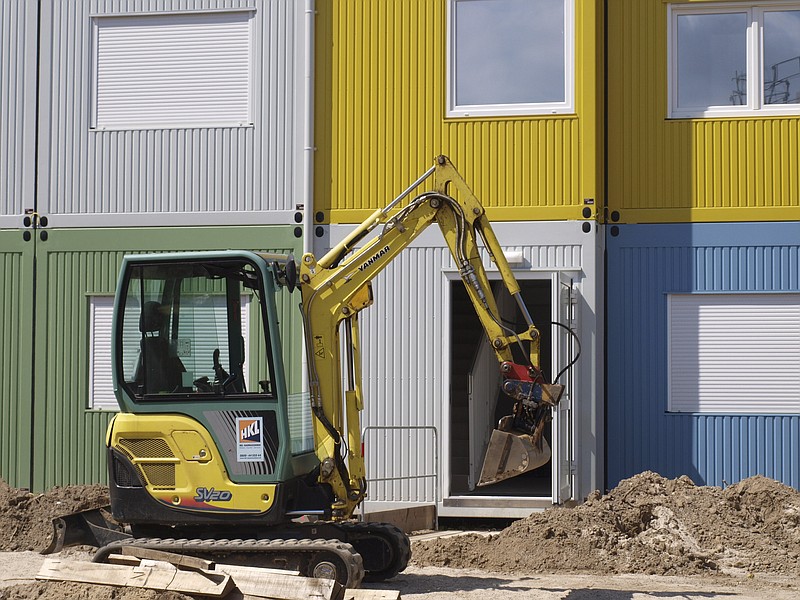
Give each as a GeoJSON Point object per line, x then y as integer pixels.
{"type": "Point", "coordinates": [118, 559]}
{"type": "Point", "coordinates": [155, 576]}
{"type": "Point", "coordinates": [362, 594]}
{"type": "Point", "coordinates": [410, 518]}
{"type": "Point", "coordinates": [179, 560]}
{"type": "Point", "coordinates": [258, 583]}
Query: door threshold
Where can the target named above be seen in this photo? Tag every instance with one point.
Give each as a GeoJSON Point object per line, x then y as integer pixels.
{"type": "Point", "coordinates": [497, 502]}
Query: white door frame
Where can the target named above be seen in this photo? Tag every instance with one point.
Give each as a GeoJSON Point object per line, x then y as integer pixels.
{"type": "Point", "coordinates": [563, 472]}
{"type": "Point", "coordinates": [513, 503]}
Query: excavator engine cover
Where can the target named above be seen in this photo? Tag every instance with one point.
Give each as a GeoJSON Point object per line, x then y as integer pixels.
{"type": "Point", "coordinates": [512, 454]}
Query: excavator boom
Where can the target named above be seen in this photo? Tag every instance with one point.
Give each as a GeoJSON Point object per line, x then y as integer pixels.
{"type": "Point", "coordinates": [336, 287]}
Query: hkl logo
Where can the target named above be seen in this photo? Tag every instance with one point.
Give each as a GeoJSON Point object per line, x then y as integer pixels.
{"type": "Point", "coordinates": [249, 431]}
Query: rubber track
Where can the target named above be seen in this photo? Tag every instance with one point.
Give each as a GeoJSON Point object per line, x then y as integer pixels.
{"type": "Point", "coordinates": [344, 551]}
{"type": "Point", "coordinates": [397, 537]}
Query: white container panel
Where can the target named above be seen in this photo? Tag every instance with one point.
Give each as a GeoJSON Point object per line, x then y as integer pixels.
{"type": "Point", "coordinates": [18, 102]}
{"type": "Point", "coordinates": [141, 175]}
{"type": "Point", "coordinates": [405, 340]}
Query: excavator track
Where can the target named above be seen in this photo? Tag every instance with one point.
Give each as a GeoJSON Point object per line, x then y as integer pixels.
{"type": "Point", "coordinates": [347, 551]}
{"type": "Point", "coordinates": [386, 549]}
{"type": "Point", "coordinates": [330, 559]}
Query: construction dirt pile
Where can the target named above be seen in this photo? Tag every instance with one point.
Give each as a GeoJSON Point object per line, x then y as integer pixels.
{"type": "Point", "coordinates": [648, 525]}
{"type": "Point", "coordinates": [26, 519]}
{"type": "Point", "coordinates": [26, 524]}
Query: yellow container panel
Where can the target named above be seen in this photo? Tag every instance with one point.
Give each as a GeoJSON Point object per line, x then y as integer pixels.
{"type": "Point", "coordinates": [682, 170]}
{"type": "Point", "coordinates": [381, 69]}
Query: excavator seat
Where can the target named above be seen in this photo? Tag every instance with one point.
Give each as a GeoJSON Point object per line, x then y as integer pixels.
{"type": "Point", "coordinates": [161, 371]}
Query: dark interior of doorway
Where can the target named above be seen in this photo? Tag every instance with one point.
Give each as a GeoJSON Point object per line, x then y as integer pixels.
{"type": "Point", "coordinates": [466, 333]}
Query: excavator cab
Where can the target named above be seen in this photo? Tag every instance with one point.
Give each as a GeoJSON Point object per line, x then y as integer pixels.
{"type": "Point", "coordinates": [205, 421]}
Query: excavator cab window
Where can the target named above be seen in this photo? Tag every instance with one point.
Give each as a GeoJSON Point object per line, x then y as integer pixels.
{"type": "Point", "coordinates": [185, 331]}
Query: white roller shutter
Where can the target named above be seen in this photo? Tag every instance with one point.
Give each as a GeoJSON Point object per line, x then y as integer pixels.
{"type": "Point", "coordinates": [207, 331]}
{"type": "Point", "coordinates": [734, 353]}
{"type": "Point", "coordinates": [172, 70]}
{"type": "Point", "coordinates": [204, 328]}
{"type": "Point", "coordinates": [301, 430]}
{"type": "Point", "coordinates": [101, 384]}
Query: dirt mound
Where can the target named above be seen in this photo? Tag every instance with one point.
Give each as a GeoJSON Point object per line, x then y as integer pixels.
{"type": "Point", "coordinates": [52, 590]}
{"type": "Point", "coordinates": [647, 524]}
{"type": "Point", "coordinates": [26, 519]}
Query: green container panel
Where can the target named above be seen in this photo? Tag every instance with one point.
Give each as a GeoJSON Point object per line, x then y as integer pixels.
{"type": "Point", "coordinates": [16, 375]}
{"type": "Point", "coordinates": [49, 436]}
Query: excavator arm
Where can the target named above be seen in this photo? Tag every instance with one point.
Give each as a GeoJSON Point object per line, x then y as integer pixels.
{"type": "Point", "coordinates": [337, 287]}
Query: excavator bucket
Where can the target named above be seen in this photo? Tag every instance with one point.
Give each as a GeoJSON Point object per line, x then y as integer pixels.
{"type": "Point", "coordinates": [512, 454]}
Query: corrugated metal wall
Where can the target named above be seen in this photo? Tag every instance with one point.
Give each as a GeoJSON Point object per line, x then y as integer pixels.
{"type": "Point", "coordinates": [405, 351]}
{"type": "Point", "coordinates": [15, 345]}
{"type": "Point", "coordinates": [380, 106]}
{"type": "Point", "coordinates": [645, 263]}
{"type": "Point", "coordinates": [68, 439]}
{"type": "Point", "coordinates": [18, 105]}
{"type": "Point", "coordinates": [679, 170]}
{"type": "Point", "coordinates": [125, 178]}
{"type": "Point", "coordinates": [203, 173]}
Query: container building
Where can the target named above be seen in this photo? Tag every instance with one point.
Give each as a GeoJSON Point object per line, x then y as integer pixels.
{"type": "Point", "coordinates": [644, 182]}
{"type": "Point", "coordinates": [512, 93]}
{"type": "Point", "coordinates": [128, 126]}
{"type": "Point", "coordinates": [702, 276]}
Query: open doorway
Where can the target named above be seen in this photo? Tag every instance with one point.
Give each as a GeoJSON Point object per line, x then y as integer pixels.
{"type": "Point", "coordinates": [476, 401]}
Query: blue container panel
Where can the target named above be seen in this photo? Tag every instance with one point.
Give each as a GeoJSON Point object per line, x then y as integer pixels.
{"type": "Point", "coordinates": [645, 264]}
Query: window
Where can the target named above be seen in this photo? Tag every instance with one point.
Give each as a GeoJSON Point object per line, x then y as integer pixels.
{"type": "Point", "coordinates": [184, 330]}
{"type": "Point", "coordinates": [734, 353]}
{"type": "Point", "coordinates": [301, 428]}
{"type": "Point", "coordinates": [172, 70]}
{"type": "Point", "coordinates": [101, 383]}
{"type": "Point", "coordinates": [510, 57]}
{"type": "Point", "coordinates": [202, 330]}
{"type": "Point", "coordinates": [734, 59]}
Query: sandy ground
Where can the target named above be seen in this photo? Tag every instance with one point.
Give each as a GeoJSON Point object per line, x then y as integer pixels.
{"type": "Point", "coordinates": [437, 583]}
{"type": "Point", "coordinates": [650, 537]}
{"type": "Point", "coordinates": [18, 569]}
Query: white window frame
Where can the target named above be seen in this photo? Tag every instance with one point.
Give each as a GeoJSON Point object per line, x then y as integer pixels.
{"type": "Point", "coordinates": [528, 108]}
{"type": "Point", "coordinates": [181, 123]}
{"type": "Point", "coordinates": [755, 69]}
{"type": "Point", "coordinates": [747, 361]}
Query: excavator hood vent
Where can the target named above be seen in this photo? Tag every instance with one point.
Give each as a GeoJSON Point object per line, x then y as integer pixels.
{"type": "Point", "coordinates": [158, 475]}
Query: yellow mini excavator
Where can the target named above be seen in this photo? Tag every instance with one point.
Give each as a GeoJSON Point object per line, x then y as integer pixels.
{"type": "Point", "coordinates": [209, 455]}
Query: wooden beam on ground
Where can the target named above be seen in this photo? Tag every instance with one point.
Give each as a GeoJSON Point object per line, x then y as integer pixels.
{"type": "Point", "coordinates": [244, 569]}
{"type": "Point", "coordinates": [410, 518]}
{"type": "Point", "coordinates": [154, 576]}
{"type": "Point", "coordinates": [118, 559]}
{"type": "Point", "coordinates": [179, 560]}
{"type": "Point", "coordinates": [254, 582]}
